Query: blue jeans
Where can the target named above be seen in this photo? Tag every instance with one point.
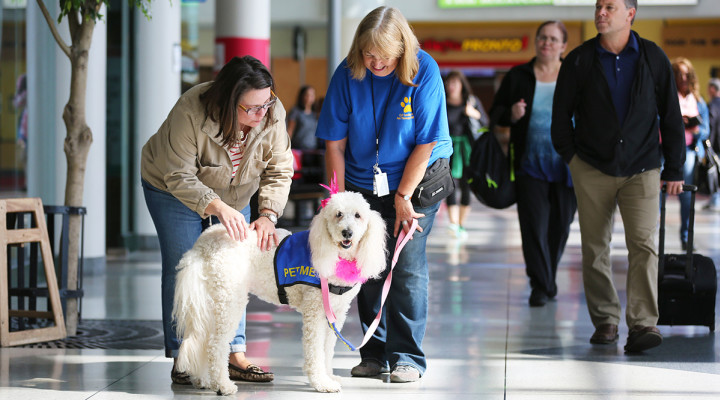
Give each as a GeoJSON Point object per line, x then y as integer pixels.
{"type": "Point", "coordinates": [714, 200]}
{"type": "Point", "coordinates": [178, 227]}
{"type": "Point", "coordinates": [398, 338]}
{"type": "Point", "coordinates": [689, 178]}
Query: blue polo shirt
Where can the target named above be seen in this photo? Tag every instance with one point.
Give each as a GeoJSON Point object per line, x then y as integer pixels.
{"type": "Point", "coordinates": [405, 116]}
{"type": "Point", "coordinates": [620, 72]}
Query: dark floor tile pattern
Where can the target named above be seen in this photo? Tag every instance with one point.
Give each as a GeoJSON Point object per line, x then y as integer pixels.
{"type": "Point", "coordinates": [110, 334]}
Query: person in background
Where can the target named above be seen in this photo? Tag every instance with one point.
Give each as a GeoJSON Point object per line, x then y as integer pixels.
{"type": "Point", "coordinates": [302, 120]}
{"type": "Point", "coordinates": [613, 94]}
{"type": "Point", "coordinates": [221, 142]}
{"type": "Point", "coordinates": [697, 126]}
{"type": "Point", "coordinates": [19, 101]}
{"type": "Point", "coordinates": [384, 122]}
{"type": "Point", "coordinates": [714, 118]}
{"type": "Point", "coordinates": [545, 199]}
{"type": "Point", "coordinates": [465, 115]}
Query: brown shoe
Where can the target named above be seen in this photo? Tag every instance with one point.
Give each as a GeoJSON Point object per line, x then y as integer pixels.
{"type": "Point", "coordinates": [252, 373]}
{"type": "Point", "coordinates": [605, 334]}
{"type": "Point", "coordinates": [641, 338]}
{"type": "Point", "coordinates": [179, 378]}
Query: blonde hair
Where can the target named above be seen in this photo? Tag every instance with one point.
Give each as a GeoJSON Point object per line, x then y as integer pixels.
{"type": "Point", "coordinates": [693, 84]}
{"type": "Point", "coordinates": [386, 30]}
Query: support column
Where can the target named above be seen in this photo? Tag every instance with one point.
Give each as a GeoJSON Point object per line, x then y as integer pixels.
{"type": "Point", "coordinates": [242, 27]}
{"type": "Point", "coordinates": [157, 88]}
{"type": "Point", "coordinates": [334, 56]}
{"type": "Point", "coordinates": [45, 141]}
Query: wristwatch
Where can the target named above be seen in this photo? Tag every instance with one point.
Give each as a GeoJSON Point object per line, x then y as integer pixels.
{"type": "Point", "coordinates": [405, 197]}
{"type": "Point", "coordinates": [272, 217]}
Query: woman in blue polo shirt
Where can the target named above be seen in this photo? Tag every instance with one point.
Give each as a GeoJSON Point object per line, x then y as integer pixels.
{"type": "Point", "coordinates": [384, 122]}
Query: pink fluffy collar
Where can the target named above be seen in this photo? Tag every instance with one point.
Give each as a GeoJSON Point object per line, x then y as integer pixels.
{"type": "Point", "coordinates": [348, 271]}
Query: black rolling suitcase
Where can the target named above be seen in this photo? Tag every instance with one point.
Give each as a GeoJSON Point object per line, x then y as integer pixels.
{"type": "Point", "coordinates": [687, 283]}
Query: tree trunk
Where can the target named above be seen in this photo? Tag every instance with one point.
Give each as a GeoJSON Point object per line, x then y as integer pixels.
{"type": "Point", "coordinates": [77, 146]}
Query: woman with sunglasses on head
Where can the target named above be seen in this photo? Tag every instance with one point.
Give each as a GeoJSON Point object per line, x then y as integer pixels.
{"type": "Point", "coordinates": [546, 201]}
{"type": "Point", "coordinates": [221, 142]}
{"type": "Point", "coordinates": [384, 124]}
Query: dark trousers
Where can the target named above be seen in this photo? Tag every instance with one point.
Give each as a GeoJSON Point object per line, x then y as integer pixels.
{"type": "Point", "coordinates": [464, 188]}
{"type": "Point", "coordinates": [545, 211]}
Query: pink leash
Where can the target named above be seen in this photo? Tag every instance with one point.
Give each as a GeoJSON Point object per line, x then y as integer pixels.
{"type": "Point", "coordinates": [401, 241]}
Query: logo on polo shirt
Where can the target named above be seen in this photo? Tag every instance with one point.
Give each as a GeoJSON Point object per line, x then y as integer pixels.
{"type": "Point", "coordinates": [406, 109]}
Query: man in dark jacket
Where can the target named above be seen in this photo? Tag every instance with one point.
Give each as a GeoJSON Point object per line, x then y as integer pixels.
{"type": "Point", "coordinates": [616, 85]}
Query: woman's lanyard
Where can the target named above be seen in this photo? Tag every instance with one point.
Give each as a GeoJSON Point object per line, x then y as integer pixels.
{"type": "Point", "coordinates": [380, 183]}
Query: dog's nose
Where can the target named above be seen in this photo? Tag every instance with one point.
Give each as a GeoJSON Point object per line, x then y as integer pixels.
{"type": "Point", "coordinates": [347, 233]}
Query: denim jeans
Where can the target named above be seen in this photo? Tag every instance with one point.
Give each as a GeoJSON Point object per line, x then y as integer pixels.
{"type": "Point", "coordinates": [178, 227]}
{"type": "Point", "coordinates": [398, 338]}
{"type": "Point", "coordinates": [689, 178]}
{"type": "Point", "coordinates": [714, 200]}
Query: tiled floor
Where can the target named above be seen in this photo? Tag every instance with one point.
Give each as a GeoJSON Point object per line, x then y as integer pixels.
{"type": "Point", "coordinates": [483, 341]}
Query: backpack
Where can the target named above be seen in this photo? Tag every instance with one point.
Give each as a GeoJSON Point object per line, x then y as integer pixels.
{"type": "Point", "coordinates": [490, 175]}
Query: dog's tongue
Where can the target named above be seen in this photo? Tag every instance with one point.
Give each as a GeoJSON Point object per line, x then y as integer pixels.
{"type": "Point", "coordinates": [348, 271]}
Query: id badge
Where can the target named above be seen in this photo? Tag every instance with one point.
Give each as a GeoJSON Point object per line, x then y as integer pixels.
{"type": "Point", "coordinates": [380, 183]}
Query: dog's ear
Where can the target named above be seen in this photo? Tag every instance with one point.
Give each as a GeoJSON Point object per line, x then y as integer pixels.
{"type": "Point", "coordinates": [369, 258]}
{"type": "Point", "coordinates": [323, 250]}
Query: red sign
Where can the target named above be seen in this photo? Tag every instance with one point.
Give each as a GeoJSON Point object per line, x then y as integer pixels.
{"type": "Point", "coordinates": [477, 45]}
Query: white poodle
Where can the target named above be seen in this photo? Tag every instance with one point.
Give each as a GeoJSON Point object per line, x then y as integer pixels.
{"type": "Point", "coordinates": [216, 275]}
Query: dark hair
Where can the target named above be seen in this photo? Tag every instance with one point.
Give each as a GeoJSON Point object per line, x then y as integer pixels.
{"type": "Point", "coordinates": [466, 89]}
{"type": "Point", "coordinates": [221, 100]}
{"type": "Point", "coordinates": [300, 102]}
{"type": "Point", "coordinates": [560, 26]}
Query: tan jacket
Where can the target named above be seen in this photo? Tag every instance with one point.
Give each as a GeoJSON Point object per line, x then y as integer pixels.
{"type": "Point", "coordinates": [185, 159]}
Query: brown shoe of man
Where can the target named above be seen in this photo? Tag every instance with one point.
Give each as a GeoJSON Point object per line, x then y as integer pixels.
{"type": "Point", "coordinates": [641, 338]}
{"type": "Point", "coordinates": [605, 334]}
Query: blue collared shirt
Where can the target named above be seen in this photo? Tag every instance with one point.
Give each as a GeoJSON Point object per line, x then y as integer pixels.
{"type": "Point", "coordinates": [620, 73]}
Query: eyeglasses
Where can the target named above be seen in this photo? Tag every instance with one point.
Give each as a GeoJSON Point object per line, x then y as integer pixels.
{"type": "Point", "coordinates": [551, 39]}
{"type": "Point", "coordinates": [256, 110]}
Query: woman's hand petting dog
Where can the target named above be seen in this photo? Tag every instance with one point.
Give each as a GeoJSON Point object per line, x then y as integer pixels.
{"type": "Point", "coordinates": [267, 238]}
{"type": "Point", "coordinates": [232, 219]}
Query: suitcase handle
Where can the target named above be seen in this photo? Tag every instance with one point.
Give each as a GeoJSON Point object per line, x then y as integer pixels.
{"type": "Point", "coordinates": [691, 232]}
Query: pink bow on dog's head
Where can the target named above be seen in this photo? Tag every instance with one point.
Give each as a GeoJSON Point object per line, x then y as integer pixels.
{"type": "Point", "coordinates": [333, 188]}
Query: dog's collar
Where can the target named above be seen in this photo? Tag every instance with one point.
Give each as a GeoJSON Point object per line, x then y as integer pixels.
{"type": "Point", "coordinates": [339, 289]}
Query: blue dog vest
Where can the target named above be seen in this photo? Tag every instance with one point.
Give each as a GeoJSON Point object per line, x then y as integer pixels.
{"type": "Point", "coordinates": [293, 266]}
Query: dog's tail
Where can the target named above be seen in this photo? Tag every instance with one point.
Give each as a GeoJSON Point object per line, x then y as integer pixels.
{"type": "Point", "coordinates": [191, 312]}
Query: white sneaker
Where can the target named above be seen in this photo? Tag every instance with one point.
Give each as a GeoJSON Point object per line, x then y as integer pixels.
{"type": "Point", "coordinates": [404, 374]}
{"type": "Point", "coordinates": [454, 230]}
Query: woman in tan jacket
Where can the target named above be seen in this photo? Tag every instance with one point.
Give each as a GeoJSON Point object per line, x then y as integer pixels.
{"type": "Point", "coordinates": [222, 141]}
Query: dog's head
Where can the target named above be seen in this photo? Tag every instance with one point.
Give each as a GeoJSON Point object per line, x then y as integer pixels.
{"type": "Point", "coordinates": [346, 228]}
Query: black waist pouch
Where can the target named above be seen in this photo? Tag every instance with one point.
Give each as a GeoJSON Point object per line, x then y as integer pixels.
{"type": "Point", "coordinates": [436, 185]}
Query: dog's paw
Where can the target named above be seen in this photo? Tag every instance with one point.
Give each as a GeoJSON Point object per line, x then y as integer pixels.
{"type": "Point", "coordinates": [197, 383]}
{"type": "Point", "coordinates": [226, 388]}
{"type": "Point", "coordinates": [325, 384]}
{"type": "Point", "coordinates": [336, 378]}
